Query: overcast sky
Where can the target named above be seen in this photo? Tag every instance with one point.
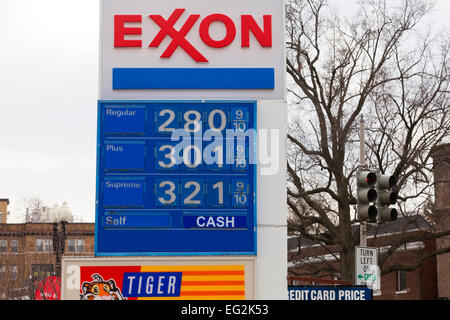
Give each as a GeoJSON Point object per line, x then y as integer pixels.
{"type": "Point", "coordinates": [48, 100]}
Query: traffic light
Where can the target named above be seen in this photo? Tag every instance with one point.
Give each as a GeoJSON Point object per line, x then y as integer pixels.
{"type": "Point", "coordinates": [386, 197]}
{"type": "Point", "coordinates": [366, 182]}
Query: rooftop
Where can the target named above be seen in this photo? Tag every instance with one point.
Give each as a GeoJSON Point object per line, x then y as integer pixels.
{"type": "Point", "coordinates": [402, 224]}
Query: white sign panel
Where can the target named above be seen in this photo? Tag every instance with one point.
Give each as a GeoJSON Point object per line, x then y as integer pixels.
{"type": "Point", "coordinates": [196, 49]}
{"type": "Point", "coordinates": [367, 272]}
{"type": "Point", "coordinates": [140, 278]}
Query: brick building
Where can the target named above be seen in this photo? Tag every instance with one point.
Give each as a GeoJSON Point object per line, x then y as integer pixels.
{"type": "Point", "coordinates": [4, 210]}
{"type": "Point", "coordinates": [316, 262]}
{"type": "Point", "coordinates": [29, 251]}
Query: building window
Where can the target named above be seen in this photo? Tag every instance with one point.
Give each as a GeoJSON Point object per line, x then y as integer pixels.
{"type": "Point", "coordinates": [44, 245]}
{"type": "Point", "coordinates": [80, 245]}
{"type": "Point", "coordinates": [14, 274]}
{"type": "Point", "coordinates": [2, 272]}
{"type": "Point", "coordinates": [14, 245]}
{"type": "Point", "coordinates": [71, 245]}
{"type": "Point", "coordinates": [75, 245]}
{"type": "Point", "coordinates": [48, 245]}
{"type": "Point", "coordinates": [401, 281]}
{"type": "Point", "coordinates": [3, 245]}
{"type": "Point", "coordinates": [39, 245]}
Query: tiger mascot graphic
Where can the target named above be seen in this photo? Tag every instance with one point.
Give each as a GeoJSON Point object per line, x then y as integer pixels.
{"type": "Point", "coordinates": [99, 289]}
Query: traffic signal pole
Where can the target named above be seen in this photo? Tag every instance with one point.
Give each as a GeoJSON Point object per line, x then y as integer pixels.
{"type": "Point", "coordinates": [362, 166]}
{"type": "Point", "coordinates": [375, 193]}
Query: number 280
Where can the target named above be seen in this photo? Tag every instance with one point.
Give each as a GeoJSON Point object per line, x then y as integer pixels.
{"type": "Point", "coordinates": [191, 120]}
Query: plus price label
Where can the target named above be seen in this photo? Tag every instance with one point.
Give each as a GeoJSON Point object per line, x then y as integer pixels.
{"type": "Point", "coordinates": [176, 178]}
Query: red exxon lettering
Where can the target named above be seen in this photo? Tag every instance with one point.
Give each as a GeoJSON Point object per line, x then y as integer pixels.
{"type": "Point", "coordinates": [120, 31]}
{"type": "Point", "coordinates": [248, 25]}
{"type": "Point", "coordinates": [230, 29]}
{"type": "Point", "coordinates": [178, 37]}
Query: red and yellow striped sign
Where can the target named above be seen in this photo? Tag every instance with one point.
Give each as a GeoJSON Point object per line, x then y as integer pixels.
{"type": "Point", "coordinates": [207, 282]}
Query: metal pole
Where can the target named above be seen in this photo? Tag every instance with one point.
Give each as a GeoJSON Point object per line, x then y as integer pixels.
{"type": "Point", "coordinates": [362, 138]}
{"type": "Point", "coordinates": [362, 166]}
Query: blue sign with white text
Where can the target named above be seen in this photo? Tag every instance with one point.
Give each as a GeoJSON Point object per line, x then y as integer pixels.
{"type": "Point", "coordinates": [176, 178]}
{"type": "Point", "coordinates": [329, 293]}
{"type": "Point", "coordinates": [151, 284]}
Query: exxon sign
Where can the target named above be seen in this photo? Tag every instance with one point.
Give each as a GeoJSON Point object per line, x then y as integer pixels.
{"type": "Point", "coordinates": [248, 24]}
{"type": "Point", "coordinates": [200, 49]}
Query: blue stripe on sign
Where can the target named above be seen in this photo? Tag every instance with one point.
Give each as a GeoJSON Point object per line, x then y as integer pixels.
{"type": "Point", "coordinates": [193, 78]}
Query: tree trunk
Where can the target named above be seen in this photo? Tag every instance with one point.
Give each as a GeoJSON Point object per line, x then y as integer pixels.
{"type": "Point", "coordinates": [347, 256]}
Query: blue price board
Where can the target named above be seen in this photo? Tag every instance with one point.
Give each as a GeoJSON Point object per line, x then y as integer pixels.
{"type": "Point", "coordinates": [176, 178]}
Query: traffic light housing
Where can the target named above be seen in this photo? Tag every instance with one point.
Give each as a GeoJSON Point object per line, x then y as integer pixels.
{"type": "Point", "coordinates": [366, 194]}
{"type": "Point", "coordinates": [386, 196]}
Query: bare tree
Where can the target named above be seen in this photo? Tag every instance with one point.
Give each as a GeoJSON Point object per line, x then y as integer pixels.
{"type": "Point", "coordinates": [375, 64]}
